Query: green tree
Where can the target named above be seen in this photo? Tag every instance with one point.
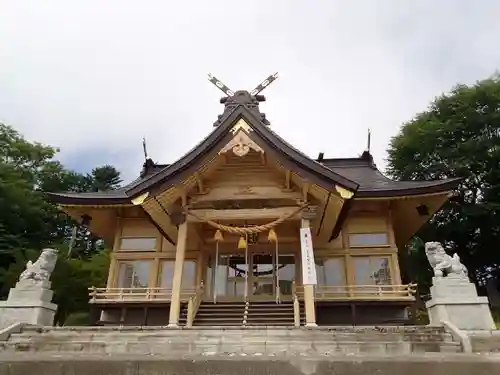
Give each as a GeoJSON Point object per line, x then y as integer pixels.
{"type": "Point", "coordinates": [30, 222]}
{"type": "Point", "coordinates": [24, 221]}
{"type": "Point", "coordinates": [458, 136]}
{"type": "Point", "coordinates": [104, 178]}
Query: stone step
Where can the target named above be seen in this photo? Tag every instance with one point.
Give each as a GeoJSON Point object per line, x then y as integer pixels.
{"type": "Point", "coordinates": [224, 304]}
{"type": "Point", "coordinates": [215, 330]}
{"type": "Point", "coordinates": [270, 313]}
{"type": "Point", "coordinates": [324, 329]}
{"type": "Point", "coordinates": [262, 330]}
{"type": "Point", "coordinates": [226, 338]}
{"type": "Point", "coordinates": [222, 312]}
{"type": "Point", "coordinates": [269, 319]}
{"type": "Point", "coordinates": [247, 346]}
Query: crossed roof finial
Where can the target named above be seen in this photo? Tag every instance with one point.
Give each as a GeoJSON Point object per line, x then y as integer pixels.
{"type": "Point", "coordinates": [226, 90]}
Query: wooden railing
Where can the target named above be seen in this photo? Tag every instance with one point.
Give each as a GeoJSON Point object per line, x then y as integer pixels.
{"type": "Point", "coordinates": [194, 304]}
{"type": "Point", "coordinates": [360, 292]}
{"type": "Point", "coordinates": [99, 295]}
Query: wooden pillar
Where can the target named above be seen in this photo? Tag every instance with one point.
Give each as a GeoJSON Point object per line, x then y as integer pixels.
{"type": "Point", "coordinates": [116, 247]}
{"type": "Point", "coordinates": [200, 267]}
{"type": "Point", "coordinates": [177, 278]}
{"type": "Point", "coordinates": [309, 302]}
{"type": "Point", "coordinates": [112, 279]}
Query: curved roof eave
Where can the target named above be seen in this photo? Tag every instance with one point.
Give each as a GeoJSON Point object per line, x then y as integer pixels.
{"type": "Point", "coordinates": [83, 199]}
{"type": "Point", "coordinates": [420, 188]}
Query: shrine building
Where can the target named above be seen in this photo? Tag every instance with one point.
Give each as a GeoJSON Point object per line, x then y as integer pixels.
{"type": "Point", "coordinates": [246, 230]}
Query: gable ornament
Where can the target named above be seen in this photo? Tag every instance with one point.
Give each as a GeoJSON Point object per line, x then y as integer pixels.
{"type": "Point", "coordinates": [241, 144]}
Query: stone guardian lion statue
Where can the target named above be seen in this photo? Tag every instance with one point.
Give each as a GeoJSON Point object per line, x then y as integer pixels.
{"type": "Point", "coordinates": [442, 264]}
{"type": "Point", "coordinates": [40, 271]}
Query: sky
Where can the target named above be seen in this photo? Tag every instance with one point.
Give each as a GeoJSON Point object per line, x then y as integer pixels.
{"type": "Point", "coordinates": [94, 77]}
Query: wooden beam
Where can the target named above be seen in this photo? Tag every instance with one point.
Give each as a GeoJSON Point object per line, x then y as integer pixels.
{"type": "Point", "coordinates": [242, 214]}
{"type": "Point", "coordinates": [322, 218]}
{"type": "Point", "coordinates": [262, 240]}
{"type": "Point", "coordinates": [184, 201]}
{"type": "Point", "coordinates": [157, 226]}
{"type": "Point", "coordinates": [199, 182]}
{"type": "Point", "coordinates": [288, 179]}
{"type": "Point", "coordinates": [305, 192]}
{"type": "Point", "coordinates": [160, 217]}
{"type": "Point", "coordinates": [244, 193]}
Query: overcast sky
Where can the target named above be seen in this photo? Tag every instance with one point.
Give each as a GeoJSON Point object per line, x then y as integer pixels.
{"type": "Point", "coordinates": [93, 77]}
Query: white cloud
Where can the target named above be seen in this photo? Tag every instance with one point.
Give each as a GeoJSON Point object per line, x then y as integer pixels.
{"type": "Point", "coordinates": [100, 75]}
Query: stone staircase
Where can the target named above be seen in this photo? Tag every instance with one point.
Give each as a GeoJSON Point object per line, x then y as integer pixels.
{"type": "Point", "coordinates": [230, 341]}
{"type": "Point", "coordinates": [183, 314]}
{"type": "Point", "coordinates": [220, 314]}
{"type": "Point", "coordinates": [270, 313]}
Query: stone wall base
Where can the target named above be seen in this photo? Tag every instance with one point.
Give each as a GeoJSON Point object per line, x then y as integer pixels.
{"type": "Point", "coordinates": [41, 314]}
{"type": "Point", "coordinates": [29, 303]}
{"type": "Point", "coordinates": [456, 301]}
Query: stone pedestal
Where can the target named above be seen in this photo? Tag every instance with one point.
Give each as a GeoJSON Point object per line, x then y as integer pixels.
{"type": "Point", "coordinates": [28, 302]}
{"type": "Point", "coordinates": [455, 299]}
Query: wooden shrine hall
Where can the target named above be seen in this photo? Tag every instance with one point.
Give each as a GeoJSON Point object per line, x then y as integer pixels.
{"type": "Point", "coordinates": [246, 230]}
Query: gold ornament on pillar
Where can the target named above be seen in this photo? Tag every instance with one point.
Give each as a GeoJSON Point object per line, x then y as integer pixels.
{"type": "Point", "coordinates": [218, 236]}
{"type": "Point", "coordinates": [242, 243]}
{"type": "Point", "coordinates": [272, 237]}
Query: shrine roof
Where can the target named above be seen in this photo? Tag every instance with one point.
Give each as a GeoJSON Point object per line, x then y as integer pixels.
{"type": "Point", "coordinates": [372, 183]}
{"type": "Point", "coordinates": [358, 175]}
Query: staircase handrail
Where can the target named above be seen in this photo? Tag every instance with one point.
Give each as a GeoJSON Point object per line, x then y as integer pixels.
{"type": "Point", "coordinates": [194, 304]}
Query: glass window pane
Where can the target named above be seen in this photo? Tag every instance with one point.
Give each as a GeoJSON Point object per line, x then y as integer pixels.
{"type": "Point", "coordinates": [220, 282]}
{"type": "Point", "coordinates": [368, 239]}
{"type": "Point", "coordinates": [189, 275]}
{"type": "Point", "coordinates": [362, 271]}
{"type": "Point", "coordinates": [334, 271]}
{"type": "Point", "coordinates": [134, 274]}
{"type": "Point", "coordinates": [381, 273]}
{"type": "Point", "coordinates": [320, 271]}
{"type": "Point", "coordinates": [372, 271]}
{"type": "Point", "coordinates": [286, 273]}
{"type": "Point", "coordinates": [167, 273]}
{"type": "Point", "coordinates": [208, 278]}
{"type": "Point", "coordinates": [138, 244]}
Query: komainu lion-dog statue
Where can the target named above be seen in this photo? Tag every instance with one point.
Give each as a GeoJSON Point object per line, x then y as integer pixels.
{"type": "Point", "coordinates": [443, 264]}
{"type": "Point", "coordinates": [40, 271]}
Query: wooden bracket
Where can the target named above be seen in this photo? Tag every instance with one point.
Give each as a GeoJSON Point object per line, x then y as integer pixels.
{"type": "Point", "coordinates": [263, 158]}
{"type": "Point", "coordinates": [305, 192]}
{"type": "Point", "coordinates": [288, 178]}
{"type": "Point", "coordinates": [184, 201]}
{"type": "Point", "coordinates": [199, 183]}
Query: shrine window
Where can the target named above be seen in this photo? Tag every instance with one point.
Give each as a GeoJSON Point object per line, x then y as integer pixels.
{"type": "Point", "coordinates": [331, 271]}
{"type": "Point", "coordinates": [372, 270]}
{"type": "Point", "coordinates": [134, 274]}
{"type": "Point", "coordinates": [368, 239]}
{"type": "Point", "coordinates": [138, 244]}
{"type": "Point", "coordinates": [166, 275]}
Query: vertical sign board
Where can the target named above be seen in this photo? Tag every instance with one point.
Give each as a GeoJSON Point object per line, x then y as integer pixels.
{"type": "Point", "coordinates": [308, 264]}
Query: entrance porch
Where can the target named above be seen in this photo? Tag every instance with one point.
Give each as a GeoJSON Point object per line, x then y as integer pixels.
{"type": "Point", "coordinates": [349, 290]}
